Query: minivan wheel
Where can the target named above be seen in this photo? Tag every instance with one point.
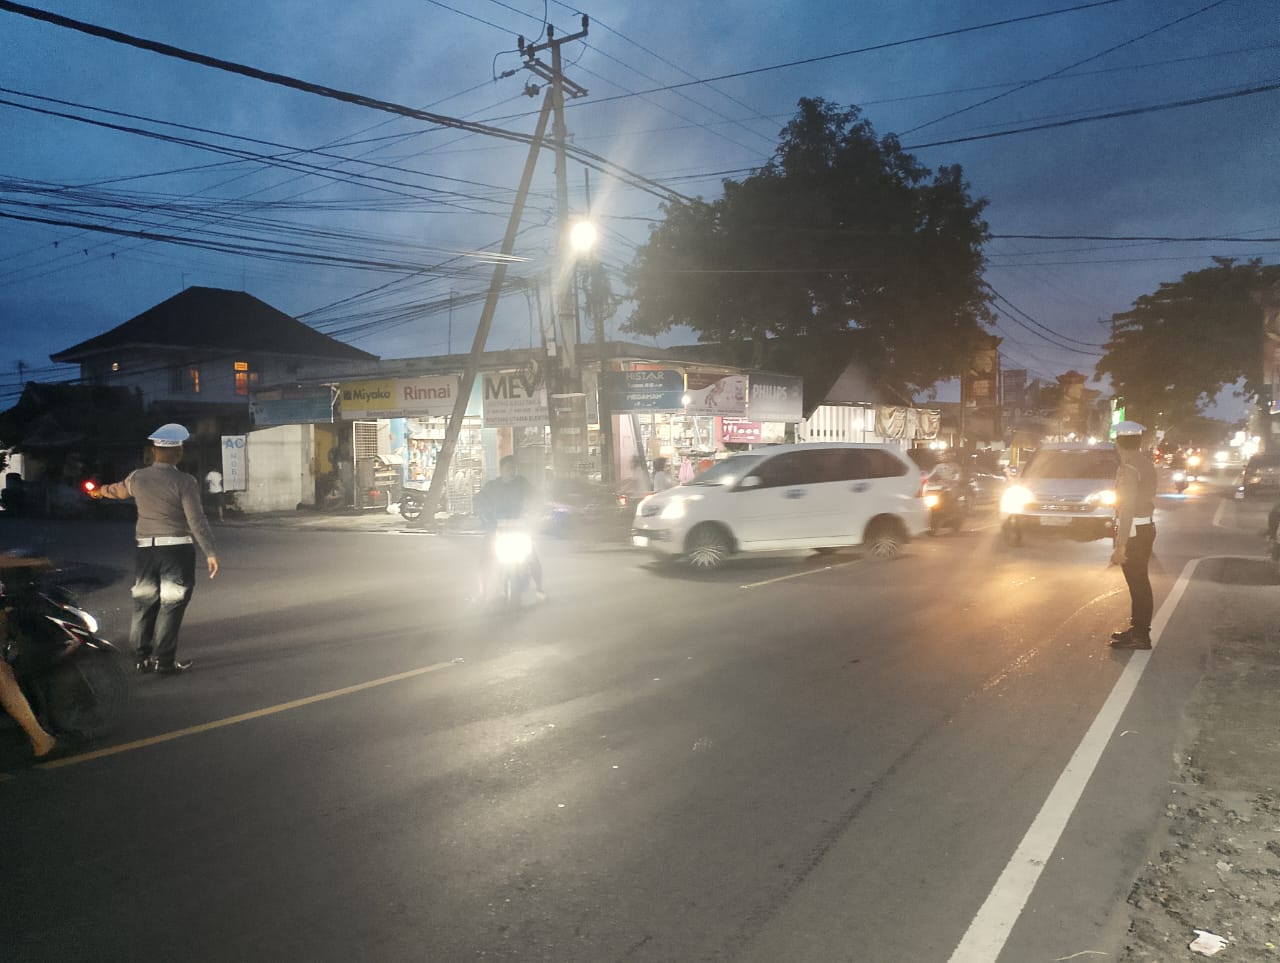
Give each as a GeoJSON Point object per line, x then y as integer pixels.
{"type": "Point", "coordinates": [708, 547]}
{"type": "Point", "coordinates": [884, 539]}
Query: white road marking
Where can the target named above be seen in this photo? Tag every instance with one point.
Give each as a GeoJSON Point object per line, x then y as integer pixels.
{"type": "Point", "coordinates": [812, 571]}
{"type": "Point", "coordinates": [990, 929]}
{"type": "Point", "coordinates": [1217, 516]}
{"type": "Point", "coordinates": [242, 717]}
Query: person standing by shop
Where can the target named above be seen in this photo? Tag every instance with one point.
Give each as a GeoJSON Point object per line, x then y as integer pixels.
{"type": "Point", "coordinates": [1135, 533]}
{"type": "Point", "coordinates": [170, 520]}
{"type": "Point", "coordinates": [213, 488]}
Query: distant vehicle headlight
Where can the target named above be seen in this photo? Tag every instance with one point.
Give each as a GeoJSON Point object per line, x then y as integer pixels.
{"type": "Point", "coordinates": [931, 500]}
{"type": "Point", "coordinates": [1193, 461]}
{"type": "Point", "coordinates": [1015, 499]}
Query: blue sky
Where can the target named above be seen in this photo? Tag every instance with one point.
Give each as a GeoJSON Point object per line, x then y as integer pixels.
{"type": "Point", "coordinates": [424, 203]}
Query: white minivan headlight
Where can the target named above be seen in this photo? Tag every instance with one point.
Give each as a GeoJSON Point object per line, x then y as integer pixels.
{"type": "Point", "coordinates": [677, 507]}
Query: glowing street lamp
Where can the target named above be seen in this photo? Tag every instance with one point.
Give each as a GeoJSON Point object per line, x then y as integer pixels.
{"type": "Point", "coordinates": [582, 236]}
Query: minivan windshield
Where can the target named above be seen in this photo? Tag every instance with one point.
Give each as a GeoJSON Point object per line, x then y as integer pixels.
{"type": "Point", "coordinates": [726, 472]}
{"type": "Point", "coordinates": [1085, 463]}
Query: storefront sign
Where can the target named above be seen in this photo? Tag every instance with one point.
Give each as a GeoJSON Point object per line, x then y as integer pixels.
{"type": "Point", "coordinates": [716, 393]}
{"type": "Point", "coordinates": [644, 389]}
{"type": "Point", "coordinates": [775, 397]}
{"type": "Point", "coordinates": [569, 434]}
{"type": "Point", "coordinates": [398, 398]}
{"type": "Point", "coordinates": [739, 431]}
{"type": "Point", "coordinates": [235, 464]}
{"type": "Point", "coordinates": [291, 406]}
{"type": "Point", "coordinates": [515, 399]}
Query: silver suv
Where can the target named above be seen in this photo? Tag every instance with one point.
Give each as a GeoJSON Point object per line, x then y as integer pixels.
{"type": "Point", "coordinates": [1066, 489]}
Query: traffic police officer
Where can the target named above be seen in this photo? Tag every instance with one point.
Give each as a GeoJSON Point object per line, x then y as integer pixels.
{"type": "Point", "coordinates": [1135, 533]}
{"type": "Point", "coordinates": [170, 519]}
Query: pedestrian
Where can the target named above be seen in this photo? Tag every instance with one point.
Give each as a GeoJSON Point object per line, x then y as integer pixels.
{"type": "Point", "coordinates": [170, 520]}
{"type": "Point", "coordinates": [213, 487]}
{"type": "Point", "coordinates": [661, 479]}
{"type": "Point", "coordinates": [1135, 533]}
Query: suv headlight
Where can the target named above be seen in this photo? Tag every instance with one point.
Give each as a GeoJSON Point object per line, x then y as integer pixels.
{"type": "Point", "coordinates": [1105, 497]}
{"type": "Point", "coordinates": [1015, 499]}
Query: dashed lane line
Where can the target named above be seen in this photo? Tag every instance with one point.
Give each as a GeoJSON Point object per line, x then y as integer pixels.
{"type": "Point", "coordinates": [237, 719]}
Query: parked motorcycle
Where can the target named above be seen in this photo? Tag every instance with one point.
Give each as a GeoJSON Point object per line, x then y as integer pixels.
{"type": "Point", "coordinates": [75, 680]}
{"type": "Point", "coordinates": [413, 502]}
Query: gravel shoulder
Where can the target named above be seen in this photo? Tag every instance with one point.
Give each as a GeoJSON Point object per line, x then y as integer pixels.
{"type": "Point", "coordinates": [1214, 864]}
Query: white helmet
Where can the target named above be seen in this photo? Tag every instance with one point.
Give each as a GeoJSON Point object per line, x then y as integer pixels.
{"type": "Point", "coordinates": [169, 436]}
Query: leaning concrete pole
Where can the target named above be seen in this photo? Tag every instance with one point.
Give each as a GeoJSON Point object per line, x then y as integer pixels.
{"type": "Point", "coordinates": [441, 474]}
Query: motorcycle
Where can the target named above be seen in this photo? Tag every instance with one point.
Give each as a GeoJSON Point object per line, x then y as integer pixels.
{"type": "Point", "coordinates": [948, 507]}
{"type": "Point", "coordinates": [413, 502]}
{"type": "Point", "coordinates": [75, 680]}
{"type": "Point", "coordinates": [1180, 481]}
{"type": "Point", "coordinates": [512, 573]}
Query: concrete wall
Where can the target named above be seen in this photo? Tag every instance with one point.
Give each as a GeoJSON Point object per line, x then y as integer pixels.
{"type": "Point", "coordinates": [279, 470]}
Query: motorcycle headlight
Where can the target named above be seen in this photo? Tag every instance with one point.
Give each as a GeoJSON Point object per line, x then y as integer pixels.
{"type": "Point", "coordinates": [1179, 476]}
{"type": "Point", "coordinates": [1015, 499]}
{"type": "Point", "coordinates": [931, 500]}
{"type": "Point", "coordinates": [512, 548]}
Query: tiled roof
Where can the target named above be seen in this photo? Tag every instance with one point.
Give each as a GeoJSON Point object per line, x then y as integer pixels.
{"type": "Point", "coordinates": [219, 320]}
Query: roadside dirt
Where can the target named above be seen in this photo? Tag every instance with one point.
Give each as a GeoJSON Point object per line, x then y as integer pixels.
{"type": "Point", "coordinates": [1216, 863]}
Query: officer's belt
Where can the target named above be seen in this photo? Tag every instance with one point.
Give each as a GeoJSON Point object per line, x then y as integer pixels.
{"type": "Point", "coordinates": [159, 540]}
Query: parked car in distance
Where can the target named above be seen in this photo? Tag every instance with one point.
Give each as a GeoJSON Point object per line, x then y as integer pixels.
{"type": "Point", "coordinates": [1261, 476]}
{"type": "Point", "coordinates": [821, 496]}
{"type": "Point", "coordinates": [1066, 489]}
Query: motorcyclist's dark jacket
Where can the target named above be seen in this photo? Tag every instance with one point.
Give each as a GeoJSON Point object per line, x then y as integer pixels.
{"type": "Point", "coordinates": [502, 500]}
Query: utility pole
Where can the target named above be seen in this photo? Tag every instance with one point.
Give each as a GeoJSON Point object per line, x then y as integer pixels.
{"type": "Point", "coordinates": [441, 473]}
{"type": "Point", "coordinates": [566, 403]}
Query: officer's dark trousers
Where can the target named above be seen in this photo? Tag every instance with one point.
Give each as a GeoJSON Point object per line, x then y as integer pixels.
{"type": "Point", "coordinates": [1137, 556]}
{"type": "Point", "coordinates": [164, 577]}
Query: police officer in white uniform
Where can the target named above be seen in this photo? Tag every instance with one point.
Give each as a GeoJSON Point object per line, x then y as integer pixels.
{"type": "Point", "coordinates": [1135, 533]}
{"type": "Point", "coordinates": [171, 521]}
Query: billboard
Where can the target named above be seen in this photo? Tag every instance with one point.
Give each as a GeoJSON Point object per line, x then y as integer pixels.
{"type": "Point", "coordinates": [426, 397]}
{"type": "Point", "coordinates": [715, 393]}
{"type": "Point", "coordinates": [644, 389]}
{"type": "Point", "coordinates": [515, 399]}
{"type": "Point", "coordinates": [775, 397]}
{"type": "Point", "coordinates": [291, 406]}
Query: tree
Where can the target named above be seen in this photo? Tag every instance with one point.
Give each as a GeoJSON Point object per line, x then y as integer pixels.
{"type": "Point", "coordinates": [839, 230]}
{"type": "Point", "coordinates": [1176, 349]}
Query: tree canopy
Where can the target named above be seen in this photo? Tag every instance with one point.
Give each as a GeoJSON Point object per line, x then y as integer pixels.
{"type": "Point", "coordinates": [1175, 350]}
{"type": "Point", "coordinates": [840, 230]}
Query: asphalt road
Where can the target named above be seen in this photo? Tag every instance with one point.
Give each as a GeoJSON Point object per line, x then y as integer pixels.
{"type": "Point", "coordinates": [795, 758]}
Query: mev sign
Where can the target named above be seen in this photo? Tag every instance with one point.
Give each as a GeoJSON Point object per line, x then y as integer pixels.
{"type": "Point", "coordinates": [514, 399]}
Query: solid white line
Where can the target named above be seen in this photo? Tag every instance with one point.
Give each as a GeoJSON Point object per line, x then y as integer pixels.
{"type": "Point", "coordinates": [990, 929]}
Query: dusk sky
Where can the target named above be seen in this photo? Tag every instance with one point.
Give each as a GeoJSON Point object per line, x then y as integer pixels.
{"type": "Point", "coordinates": [363, 223]}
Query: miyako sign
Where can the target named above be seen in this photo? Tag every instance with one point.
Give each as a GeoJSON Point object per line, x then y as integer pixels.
{"type": "Point", "coordinates": [430, 397]}
{"type": "Point", "coordinates": [515, 399]}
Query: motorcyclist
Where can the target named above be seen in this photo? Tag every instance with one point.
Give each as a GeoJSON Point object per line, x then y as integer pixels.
{"type": "Point", "coordinates": [43, 745]}
{"type": "Point", "coordinates": [505, 499]}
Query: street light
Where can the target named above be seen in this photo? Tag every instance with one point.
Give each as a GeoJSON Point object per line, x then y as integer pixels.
{"type": "Point", "coordinates": [582, 236]}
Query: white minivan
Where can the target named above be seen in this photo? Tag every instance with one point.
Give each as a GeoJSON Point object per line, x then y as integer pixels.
{"type": "Point", "coordinates": [808, 496]}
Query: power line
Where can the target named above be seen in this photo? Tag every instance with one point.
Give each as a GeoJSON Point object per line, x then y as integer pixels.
{"type": "Point", "coordinates": [1111, 115]}
{"type": "Point", "coordinates": [1062, 70]}
{"type": "Point", "coordinates": [587, 158]}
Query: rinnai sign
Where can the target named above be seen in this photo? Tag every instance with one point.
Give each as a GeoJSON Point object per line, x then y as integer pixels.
{"type": "Point", "coordinates": [430, 397]}
{"type": "Point", "coordinates": [515, 399]}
